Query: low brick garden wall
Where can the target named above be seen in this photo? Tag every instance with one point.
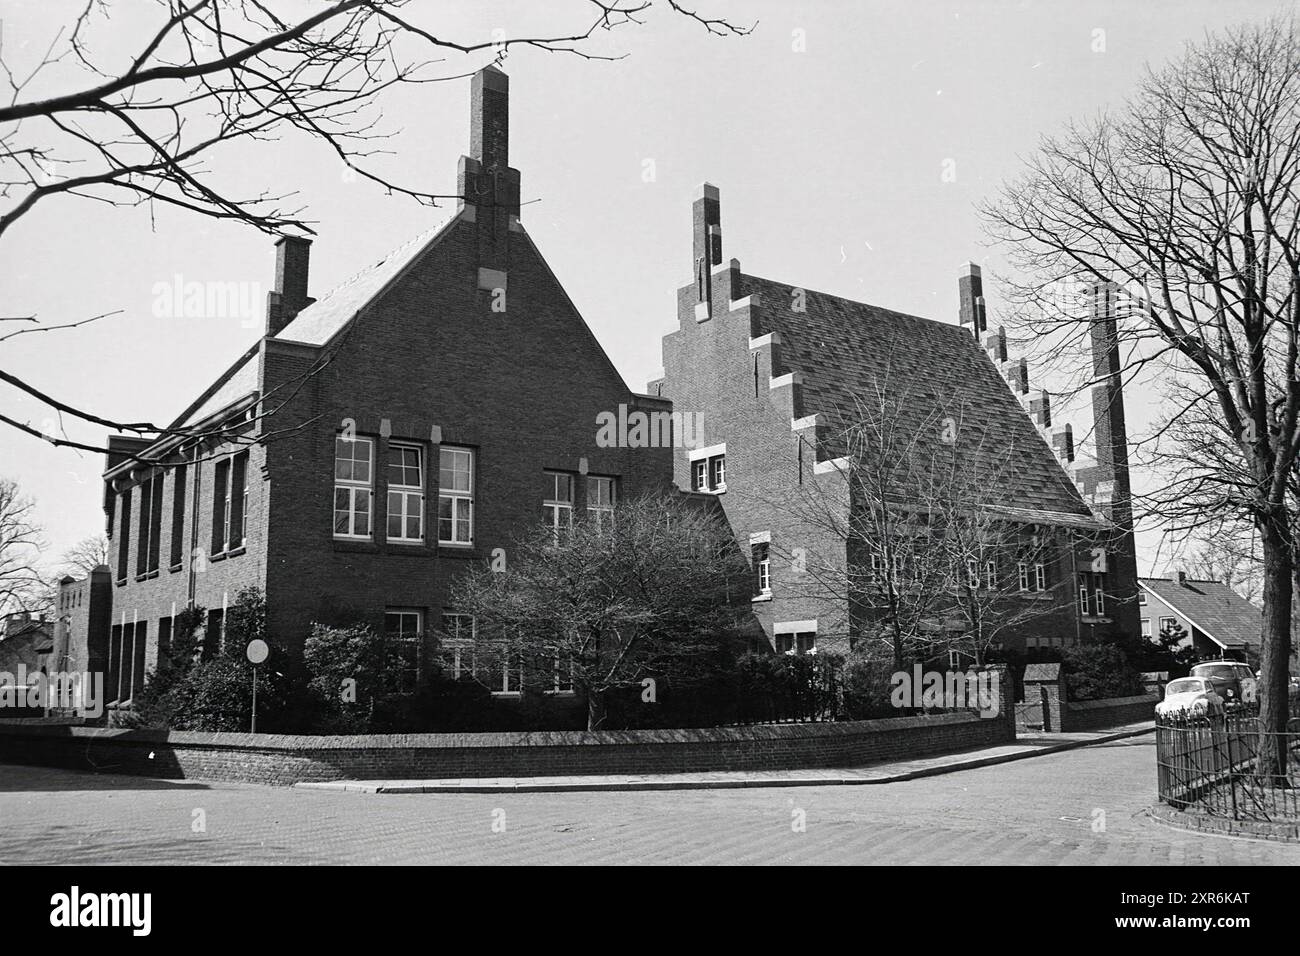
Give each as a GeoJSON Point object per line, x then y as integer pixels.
{"type": "Point", "coordinates": [1112, 712]}
{"type": "Point", "coordinates": [285, 760]}
{"type": "Point", "coordinates": [1047, 707]}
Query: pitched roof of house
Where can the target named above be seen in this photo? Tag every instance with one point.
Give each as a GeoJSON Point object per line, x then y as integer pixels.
{"type": "Point", "coordinates": [924, 367]}
{"type": "Point", "coordinates": [318, 323]}
{"type": "Point", "coordinates": [1225, 616]}
{"type": "Point", "coordinates": [326, 317]}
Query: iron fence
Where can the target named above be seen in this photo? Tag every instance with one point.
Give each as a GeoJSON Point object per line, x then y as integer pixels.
{"type": "Point", "coordinates": [1226, 766]}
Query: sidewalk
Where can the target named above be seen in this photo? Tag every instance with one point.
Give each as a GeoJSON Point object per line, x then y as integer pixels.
{"type": "Point", "coordinates": [893, 772]}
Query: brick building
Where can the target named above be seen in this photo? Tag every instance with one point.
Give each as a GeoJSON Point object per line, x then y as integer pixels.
{"type": "Point", "coordinates": [377, 440]}
{"type": "Point", "coordinates": [774, 370]}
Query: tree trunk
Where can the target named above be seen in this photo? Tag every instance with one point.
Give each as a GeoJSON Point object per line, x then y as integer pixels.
{"type": "Point", "coordinates": [1275, 653]}
{"type": "Point", "coordinates": [596, 710]}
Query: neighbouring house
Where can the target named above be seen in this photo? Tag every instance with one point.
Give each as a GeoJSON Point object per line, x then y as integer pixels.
{"type": "Point", "coordinates": [773, 370]}
{"type": "Point", "coordinates": [1218, 622]}
{"type": "Point", "coordinates": [25, 641]}
{"type": "Point", "coordinates": [378, 439]}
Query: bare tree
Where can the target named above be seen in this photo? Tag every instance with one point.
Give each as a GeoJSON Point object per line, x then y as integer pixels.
{"type": "Point", "coordinates": [86, 555]}
{"type": "Point", "coordinates": [927, 553]}
{"type": "Point", "coordinates": [22, 586]}
{"type": "Point", "coordinates": [658, 594]}
{"type": "Point", "coordinates": [214, 79]}
{"type": "Point", "coordinates": [1186, 200]}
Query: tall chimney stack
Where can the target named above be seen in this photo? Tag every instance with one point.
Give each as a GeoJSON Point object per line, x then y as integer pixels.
{"type": "Point", "coordinates": [486, 180]}
{"type": "Point", "coordinates": [1111, 439]}
{"type": "Point", "coordinates": [706, 229]}
{"type": "Point", "coordinates": [970, 294]}
{"type": "Point", "coordinates": [289, 297]}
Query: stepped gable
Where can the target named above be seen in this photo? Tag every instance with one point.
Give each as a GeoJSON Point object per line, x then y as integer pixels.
{"type": "Point", "coordinates": [842, 347]}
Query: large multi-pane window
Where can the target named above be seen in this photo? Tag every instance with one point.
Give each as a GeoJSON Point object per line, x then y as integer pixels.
{"type": "Point", "coordinates": [353, 486]}
{"type": "Point", "coordinates": [405, 493]}
{"type": "Point", "coordinates": [178, 517]}
{"type": "Point", "coordinates": [230, 503]}
{"type": "Point", "coordinates": [403, 628]}
{"type": "Point", "coordinates": [150, 519]}
{"type": "Point", "coordinates": [489, 663]}
{"type": "Point", "coordinates": [455, 496]}
{"type": "Point", "coordinates": [557, 505]}
{"type": "Point", "coordinates": [600, 501]}
{"type": "Point", "coordinates": [124, 536]}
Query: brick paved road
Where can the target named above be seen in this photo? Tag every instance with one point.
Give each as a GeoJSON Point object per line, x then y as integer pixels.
{"type": "Point", "coordinates": [1034, 811]}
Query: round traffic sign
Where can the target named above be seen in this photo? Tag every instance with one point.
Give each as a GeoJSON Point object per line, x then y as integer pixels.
{"type": "Point", "coordinates": [257, 651]}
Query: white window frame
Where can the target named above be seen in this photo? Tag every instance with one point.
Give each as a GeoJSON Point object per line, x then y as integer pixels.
{"type": "Point", "coordinates": [1161, 622]}
{"type": "Point", "coordinates": [410, 497]}
{"type": "Point", "coordinates": [402, 637]}
{"type": "Point", "coordinates": [455, 496]}
{"type": "Point", "coordinates": [558, 512]}
{"type": "Point", "coordinates": [700, 474]}
{"type": "Point", "coordinates": [718, 472]}
{"type": "Point", "coordinates": [1023, 570]}
{"type": "Point", "coordinates": [973, 574]}
{"type": "Point", "coordinates": [561, 688]}
{"type": "Point", "coordinates": [991, 575]}
{"type": "Point", "coordinates": [1146, 628]}
{"type": "Point", "coordinates": [763, 568]}
{"type": "Point", "coordinates": [793, 637]}
{"type": "Point", "coordinates": [877, 567]}
{"type": "Point", "coordinates": [896, 570]}
{"type": "Point", "coordinates": [1040, 577]}
{"type": "Point", "coordinates": [1085, 607]}
{"type": "Point", "coordinates": [601, 514]}
{"type": "Point", "coordinates": [1142, 596]}
{"type": "Point", "coordinates": [1099, 600]}
{"type": "Point", "coordinates": [354, 487]}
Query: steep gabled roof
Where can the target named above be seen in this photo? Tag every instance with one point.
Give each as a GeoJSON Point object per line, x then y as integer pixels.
{"type": "Point", "coordinates": [844, 348]}
{"type": "Point", "coordinates": [1225, 616]}
{"type": "Point", "coordinates": [325, 318]}
{"type": "Point", "coordinates": [318, 323]}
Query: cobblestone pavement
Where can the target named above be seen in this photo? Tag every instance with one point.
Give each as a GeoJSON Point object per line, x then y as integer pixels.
{"type": "Point", "coordinates": [1037, 811]}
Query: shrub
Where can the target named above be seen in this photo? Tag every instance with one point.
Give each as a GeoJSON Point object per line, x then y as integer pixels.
{"type": "Point", "coordinates": [1099, 671]}
{"type": "Point", "coordinates": [344, 676]}
{"type": "Point", "coordinates": [866, 685]}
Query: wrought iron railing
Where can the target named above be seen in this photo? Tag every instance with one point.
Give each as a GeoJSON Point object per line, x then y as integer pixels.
{"type": "Point", "coordinates": [1226, 766]}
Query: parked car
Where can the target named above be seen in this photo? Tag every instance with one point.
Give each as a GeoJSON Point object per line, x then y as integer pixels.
{"type": "Point", "coordinates": [1234, 681]}
{"type": "Point", "coordinates": [1190, 697]}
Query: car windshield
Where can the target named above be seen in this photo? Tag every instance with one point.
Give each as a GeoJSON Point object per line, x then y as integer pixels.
{"type": "Point", "coordinates": [1222, 671]}
{"type": "Point", "coordinates": [1185, 685]}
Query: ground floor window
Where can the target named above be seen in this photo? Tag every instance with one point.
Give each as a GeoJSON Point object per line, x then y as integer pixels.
{"type": "Point", "coordinates": [403, 631]}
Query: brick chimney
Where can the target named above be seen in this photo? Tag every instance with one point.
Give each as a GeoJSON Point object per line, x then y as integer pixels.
{"type": "Point", "coordinates": [485, 179]}
{"type": "Point", "coordinates": [970, 294]}
{"type": "Point", "coordinates": [1111, 438]}
{"type": "Point", "coordinates": [292, 257]}
{"type": "Point", "coordinates": [706, 230]}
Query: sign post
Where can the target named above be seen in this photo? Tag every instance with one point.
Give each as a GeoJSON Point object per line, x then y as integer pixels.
{"type": "Point", "coordinates": [257, 653]}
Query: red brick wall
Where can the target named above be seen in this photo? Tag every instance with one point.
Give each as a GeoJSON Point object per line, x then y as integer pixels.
{"type": "Point", "coordinates": [285, 760]}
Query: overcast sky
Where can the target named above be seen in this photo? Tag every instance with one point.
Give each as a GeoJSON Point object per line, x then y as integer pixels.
{"type": "Point", "coordinates": [828, 132]}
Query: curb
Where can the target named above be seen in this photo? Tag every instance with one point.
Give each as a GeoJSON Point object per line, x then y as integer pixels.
{"type": "Point", "coordinates": [577, 785]}
{"type": "Point", "coordinates": [1166, 816]}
